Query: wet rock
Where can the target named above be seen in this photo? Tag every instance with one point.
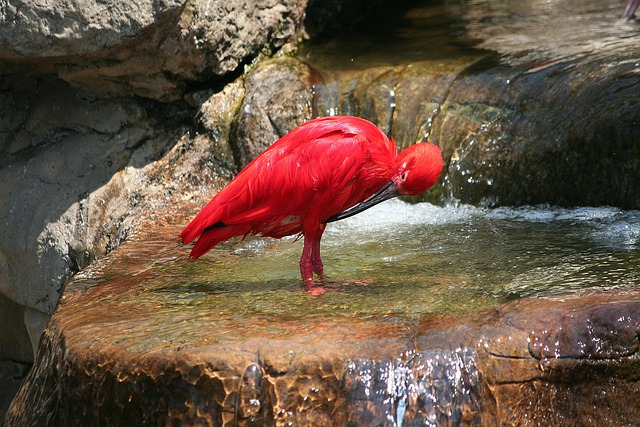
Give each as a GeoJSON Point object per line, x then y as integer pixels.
{"type": "Point", "coordinates": [605, 331]}
{"type": "Point", "coordinates": [81, 151]}
{"type": "Point", "coordinates": [528, 138]}
{"type": "Point", "coordinates": [509, 135]}
{"type": "Point", "coordinates": [520, 122]}
{"type": "Point", "coordinates": [441, 386]}
{"type": "Point", "coordinates": [278, 99]}
{"type": "Point", "coordinates": [73, 158]}
{"type": "Point", "coordinates": [132, 343]}
{"type": "Point", "coordinates": [584, 350]}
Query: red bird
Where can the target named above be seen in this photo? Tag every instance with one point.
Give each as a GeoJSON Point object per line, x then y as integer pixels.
{"type": "Point", "coordinates": [322, 171]}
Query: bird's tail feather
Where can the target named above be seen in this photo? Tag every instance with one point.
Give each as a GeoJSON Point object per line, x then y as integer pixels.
{"type": "Point", "coordinates": [215, 234]}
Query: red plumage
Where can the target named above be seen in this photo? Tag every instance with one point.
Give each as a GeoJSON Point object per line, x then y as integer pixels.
{"type": "Point", "coordinates": [311, 174]}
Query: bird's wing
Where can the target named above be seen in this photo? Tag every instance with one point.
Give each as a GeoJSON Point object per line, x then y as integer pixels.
{"type": "Point", "coordinates": [318, 169]}
{"type": "Point", "coordinates": [288, 182]}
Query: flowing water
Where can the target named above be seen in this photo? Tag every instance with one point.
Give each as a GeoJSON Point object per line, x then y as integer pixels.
{"type": "Point", "coordinates": [236, 327]}
{"type": "Point", "coordinates": [539, 32]}
{"type": "Point", "coordinates": [408, 260]}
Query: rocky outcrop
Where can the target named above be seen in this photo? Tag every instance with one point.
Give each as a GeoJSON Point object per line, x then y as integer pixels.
{"type": "Point", "coordinates": [510, 134]}
{"type": "Point", "coordinates": [127, 348]}
{"type": "Point", "coordinates": [150, 49]}
{"type": "Point", "coordinates": [107, 117]}
{"type": "Point", "coordinates": [278, 98]}
{"type": "Point", "coordinates": [110, 113]}
{"type": "Point", "coordinates": [86, 119]}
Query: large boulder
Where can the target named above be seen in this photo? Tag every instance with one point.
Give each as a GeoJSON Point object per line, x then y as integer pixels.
{"type": "Point", "coordinates": [148, 336]}
{"type": "Point", "coordinates": [151, 49]}
{"type": "Point", "coordinates": [278, 99]}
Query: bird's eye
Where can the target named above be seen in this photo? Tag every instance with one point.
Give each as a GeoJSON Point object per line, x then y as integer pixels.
{"type": "Point", "coordinates": [404, 176]}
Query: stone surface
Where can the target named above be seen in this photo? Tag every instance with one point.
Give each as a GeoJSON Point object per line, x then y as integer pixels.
{"type": "Point", "coordinates": [63, 28]}
{"type": "Point", "coordinates": [528, 138]}
{"type": "Point", "coordinates": [586, 357]}
{"type": "Point", "coordinates": [518, 123]}
{"type": "Point", "coordinates": [81, 150]}
{"type": "Point", "coordinates": [14, 342]}
{"type": "Point", "coordinates": [133, 343]}
{"type": "Point", "coordinates": [158, 49]}
{"type": "Point", "coordinates": [150, 49]}
{"type": "Point", "coordinates": [67, 181]}
{"type": "Point", "coordinates": [278, 98]}
{"type": "Point", "coordinates": [509, 135]}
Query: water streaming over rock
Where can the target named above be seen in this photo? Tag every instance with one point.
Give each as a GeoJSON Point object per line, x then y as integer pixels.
{"type": "Point", "coordinates": [530, 102]}
{"type": "Point", "coordinates": [432, 388]}
{"type": "Point", "coordinates": [414, 330]}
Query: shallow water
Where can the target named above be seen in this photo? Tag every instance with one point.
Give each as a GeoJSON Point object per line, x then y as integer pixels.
{"type": "Point", "coordinates": [538, 33]}
{"type": "Point", "coordinates": [395, 36]}
{"type": "Point", "coordinates": [407, 260]}
{"type": "Point", "coordinates": [147, 318]}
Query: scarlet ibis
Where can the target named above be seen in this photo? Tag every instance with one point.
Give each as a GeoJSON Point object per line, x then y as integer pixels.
{"type": "Point", "coordinates": [324, 170]}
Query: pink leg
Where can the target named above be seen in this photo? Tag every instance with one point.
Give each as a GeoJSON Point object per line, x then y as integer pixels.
{"type": "Point", "coordinates": [306, 265]}
{"type": "Point", "coordinates": [310, 261]}
{"type": "Point", "coordinates": [316, 261]}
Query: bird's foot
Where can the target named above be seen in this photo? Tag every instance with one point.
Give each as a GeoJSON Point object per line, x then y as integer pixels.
{"type": "Point", "coordinates": [314, 289]}
{"type": "Point", "coordinates": [324, 286]}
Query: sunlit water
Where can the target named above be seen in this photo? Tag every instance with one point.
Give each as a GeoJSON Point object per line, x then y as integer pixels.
{"type": "Point", "coordinates": [389, 269]}
{"type": "Point", "coordinates": [408, 260]}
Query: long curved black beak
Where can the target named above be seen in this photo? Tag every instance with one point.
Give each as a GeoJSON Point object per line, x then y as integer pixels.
{"type": "Point", "coordinates": [387, 192]}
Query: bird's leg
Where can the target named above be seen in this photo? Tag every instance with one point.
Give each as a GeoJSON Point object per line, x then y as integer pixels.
{"type": "Point", "coordinates": [630, 10]}
{"type": "Point", "coordinates": [316, 261]}
{"type": "Point", "coordinates": [310, 261]}
{"type": "Point", "coordinates": [306, 266]}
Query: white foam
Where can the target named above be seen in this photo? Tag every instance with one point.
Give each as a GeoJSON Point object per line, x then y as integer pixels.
{"type": "Point", "coordinates": [395, 212]}
{"type": "Point", "coordinates": [604, 225]}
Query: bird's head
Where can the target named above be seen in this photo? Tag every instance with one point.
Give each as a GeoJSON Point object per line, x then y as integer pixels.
{"type": "Point", "coordinates": [417, 168]}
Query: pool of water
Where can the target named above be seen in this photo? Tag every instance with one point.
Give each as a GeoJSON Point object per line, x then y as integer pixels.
{"type": "Point", "coordinates": [408, 260]}
{"type": "Point", "coordinates": [395, 36]}
{"type": "Point", "coordinates": [538, 33]}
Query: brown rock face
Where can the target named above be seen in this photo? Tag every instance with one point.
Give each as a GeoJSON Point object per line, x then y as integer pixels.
{"type": "Point", "coordinates": [132, 343]}
{"type": "Point", "coordinates": [278, 99]}
{"type": "Point", "coordinates": [582, 358]}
